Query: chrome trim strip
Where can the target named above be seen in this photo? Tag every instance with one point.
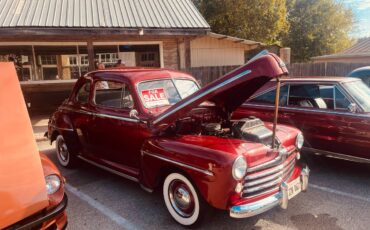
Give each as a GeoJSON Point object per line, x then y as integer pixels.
{"type": "Point", "coordinates": [163, 116]}
{"type": "Point", "coordinates": [146, 189]}
{"type": "Point", "coordinates": [108, 169]}
{"type": "Point", "coordinates": [338, 155]}
{"type": "Point", "coordinates": [275, 183]}
{"type": "Point", "coordinates": [322, 111]}
{"type": "Point", "coordinates": [262, 193]}
{"type": "Point", "coordinates": [263, 186]}
{"type": "Point", "coordinates": [271, 163]}
{"type": "Point", "coordinates": [264, 180]}
{"type": "Point", "coordinates": [266, 164]}
{"type": "Point", "coordinates": [206, 172]}
{"type": "Point", "coordinates": [100, 115]}
{"type": "Point", "coordinates": [64, 129]}
{"type": "Point", "coordinates": [280, 173]}
{"type": "Point", "coordinates": [260, 206]}
{"type": "Point", "coordinates": [115, 117]}
{"type": "Point", "coordinates": [270, 171]}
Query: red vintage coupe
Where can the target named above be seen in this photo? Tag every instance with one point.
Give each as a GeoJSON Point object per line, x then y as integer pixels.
{"type": "Point", "coordinates": [156, 127]}
{"type": "Point", "coordinates": [333, 113]}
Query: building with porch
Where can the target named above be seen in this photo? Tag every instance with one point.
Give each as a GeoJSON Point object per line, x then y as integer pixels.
{"type": "Point", "coordinates": [54, 42]}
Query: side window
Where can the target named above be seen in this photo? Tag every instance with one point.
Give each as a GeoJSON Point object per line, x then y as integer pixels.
{"type": "Point", "coordinates": [269, 97]}
{"type": "Point", "coordinates": [341, 102]}
{"type": "Point", "coordinates": [113, 94]}
{"type": "Point", "coordinates": [83, 93]}
{"type": "Point", "coordinates": [312, 96]}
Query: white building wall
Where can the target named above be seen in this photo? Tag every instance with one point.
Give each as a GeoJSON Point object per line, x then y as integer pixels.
{"type": "Point", "coordinates": [208, 51]}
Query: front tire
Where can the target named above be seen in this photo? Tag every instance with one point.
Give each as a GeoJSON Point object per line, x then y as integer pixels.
{"type": "Point", "coordinates": [65, 158]}
{"type": "Point", "coordinates": [182, 200]}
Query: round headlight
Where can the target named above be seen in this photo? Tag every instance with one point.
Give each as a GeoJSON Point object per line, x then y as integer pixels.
{"type": "Point", "coordinates": [53, 183]}
{"type": "Point", "coordinates": [299, 141]}
{"type": "Point", "coordinates": [239, 168]}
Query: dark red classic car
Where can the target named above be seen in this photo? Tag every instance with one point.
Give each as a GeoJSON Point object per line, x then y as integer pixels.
{"type": "Point", "coordinates": [333, 113]}
{"type": "Point", "coordinates": [156, 127]}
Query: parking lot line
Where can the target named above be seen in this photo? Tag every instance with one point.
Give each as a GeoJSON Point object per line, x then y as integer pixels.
{"type": "Point", "coordinates": [330, 190]}
{"type": "Point", "coordinates": [122, 222]}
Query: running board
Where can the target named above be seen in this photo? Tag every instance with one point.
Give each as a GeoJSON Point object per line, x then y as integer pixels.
{"type": "Point", "coordinates": [109, 169]}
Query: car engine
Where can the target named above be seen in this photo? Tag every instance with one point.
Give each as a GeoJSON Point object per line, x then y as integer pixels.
{"type": "Point", "coordinates": [251, 129]}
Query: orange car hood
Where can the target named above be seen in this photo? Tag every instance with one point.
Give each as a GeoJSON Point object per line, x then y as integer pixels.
{"type": "Point", "coordinates": [22, 183]}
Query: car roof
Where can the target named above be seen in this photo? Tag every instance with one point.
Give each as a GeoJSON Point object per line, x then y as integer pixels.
{"type": "Point", "coordinates": [308, 79]}
{"type": "Point", "coordinates": [319, 79]}
{"type": "Point", "coordinates": [360, 72]}
{"type": "Point", "coordinates": [135, 75]}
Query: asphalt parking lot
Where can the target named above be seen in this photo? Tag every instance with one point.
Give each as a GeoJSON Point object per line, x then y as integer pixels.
{"type": "Point", "coordinates": [338, 198]}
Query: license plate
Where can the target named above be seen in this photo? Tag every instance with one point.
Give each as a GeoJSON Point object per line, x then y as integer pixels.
{"type": "Point", "coordinates": [294, 188]}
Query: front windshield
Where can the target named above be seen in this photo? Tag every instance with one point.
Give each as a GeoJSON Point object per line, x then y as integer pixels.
{"type": "Point", "coordinates": [360, 92]}
{"type": "Point", "coordinates": [159, 93]}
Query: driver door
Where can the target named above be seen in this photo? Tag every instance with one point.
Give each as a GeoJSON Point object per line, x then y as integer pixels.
{"type": "Point", "coordinates": [113, 132]}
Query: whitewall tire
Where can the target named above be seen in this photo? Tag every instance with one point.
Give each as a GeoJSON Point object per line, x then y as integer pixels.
{"type": "Point", "coordinates": [181, 199]}
{"type": "Point", "coordinates": [64, 156]}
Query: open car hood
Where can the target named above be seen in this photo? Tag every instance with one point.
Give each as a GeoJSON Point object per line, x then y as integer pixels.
{"type": "Point", "coordinates": [229, 91]}
{"type": "Point", "coordinates": [22, 181]}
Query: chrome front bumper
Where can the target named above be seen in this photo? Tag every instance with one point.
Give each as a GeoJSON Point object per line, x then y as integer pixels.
{"type": "Point", "coordinates": [280, 198]}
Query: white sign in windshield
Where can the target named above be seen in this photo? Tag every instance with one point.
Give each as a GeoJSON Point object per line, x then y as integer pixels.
{"type": "Point", "coordinates": [154, 97]}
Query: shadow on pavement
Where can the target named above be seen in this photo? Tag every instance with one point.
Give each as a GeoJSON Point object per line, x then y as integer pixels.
{"type": "Point", "coordinates": [307, 221]}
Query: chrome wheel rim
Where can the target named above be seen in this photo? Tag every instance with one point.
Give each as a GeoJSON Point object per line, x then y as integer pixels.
{"type": "Point", "coordinates": [181, 198]}
{"type": "Point", "coordinates": [62, 150]}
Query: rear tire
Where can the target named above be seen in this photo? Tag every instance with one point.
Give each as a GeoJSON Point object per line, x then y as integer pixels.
{"type": "Point", "coordinates": [65, 158]}
{"type": "Point", "coordinates": [182, 200]}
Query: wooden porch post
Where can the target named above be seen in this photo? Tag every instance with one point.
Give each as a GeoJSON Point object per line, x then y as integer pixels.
{"type": "Point", "coordinates": [187, 54]}
{"type": "Point", "coordinates": [91, 55]}
{"type": "Point", "coordinates": [35, 72]}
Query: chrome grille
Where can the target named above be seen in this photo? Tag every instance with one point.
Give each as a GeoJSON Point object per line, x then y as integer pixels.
{"type": "Point", "coordinates": [267, 177]}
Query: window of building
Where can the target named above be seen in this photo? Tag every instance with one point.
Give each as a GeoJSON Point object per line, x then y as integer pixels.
{"type": "Point", "coordinates": [113, 94]}
{"type": "Point", "coordinates": [22, 58]}
{"type": "Point", "coordinates": [83, 93]}
{"type": "Point", "coordinates": [107, 58]}
{"type": "Point", "coordinates": [84, 60]}
{"type": "Point", "coordinates": [73, 60]}
{"type": "Point", "coordinates": [147, 57]}
{"type": "Point", "coordinates": [48, 59]}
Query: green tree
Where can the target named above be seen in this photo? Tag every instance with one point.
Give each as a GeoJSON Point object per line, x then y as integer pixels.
{"type": "Point", "coordinates": [317, 27]}
{"type": "Point", "coordinates": [260, 20]}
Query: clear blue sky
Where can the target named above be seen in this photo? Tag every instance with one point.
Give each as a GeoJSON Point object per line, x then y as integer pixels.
{"type": "Point", "coordinates": [361, 9]}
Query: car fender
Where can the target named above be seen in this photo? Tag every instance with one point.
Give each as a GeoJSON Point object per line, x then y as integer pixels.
{"type": "Point", "coordinates": [208, 169]}
{"type": "Point", "coordinates": [61, 124]}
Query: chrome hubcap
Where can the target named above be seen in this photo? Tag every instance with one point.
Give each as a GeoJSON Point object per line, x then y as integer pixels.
{"type": "Point", "coordinates": [63, 150]}
{"type": "Point", "coordinates": [181, 198]}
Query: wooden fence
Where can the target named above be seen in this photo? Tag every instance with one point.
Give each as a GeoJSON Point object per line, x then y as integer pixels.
{"type": "Point", "coordinates": [208, 74]}
{"type": "Point", "coordinates": [323, 69]}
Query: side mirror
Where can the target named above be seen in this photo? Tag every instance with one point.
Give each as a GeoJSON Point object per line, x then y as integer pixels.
{"type": "Point", "coordinates": [134, 114]}
{"type": "Point", "coordinates": [352, 107]}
